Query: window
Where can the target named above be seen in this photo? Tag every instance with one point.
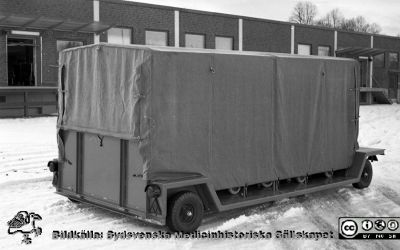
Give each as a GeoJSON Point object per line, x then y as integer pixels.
{"type": "Point", "coordinates": [304, 49]}
{"type": "Point", "coordinates": [158, 38]}
{"type": "Point", "coordinates": [62, 44]}
{"type": "Point", "coordinates": [194, 41]}
{"type": "Point", "coordinates": [324, 50]}
{"type": "Point", "coordinates": [225, 43]}
{"type": "Point", "coordinates": [21, 60]}
{"type": "Point", "coordinates": [119, 36]}
{"type": "Point", "coordinates": [379, 60]}
{"type": "Point", "coordinates": [393, 60]}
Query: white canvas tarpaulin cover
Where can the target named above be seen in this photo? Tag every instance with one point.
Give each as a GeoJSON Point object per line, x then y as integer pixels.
{"type": "Point", "coordinates": [238, 118]}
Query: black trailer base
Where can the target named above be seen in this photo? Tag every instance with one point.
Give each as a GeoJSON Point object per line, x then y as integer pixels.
{"type": "Point", "coordinates": [154, 198]}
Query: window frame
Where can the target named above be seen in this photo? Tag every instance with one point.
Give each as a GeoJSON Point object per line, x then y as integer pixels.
{"type": "Point", "coordinates": [157, 30]}
{"type": "Point", "coordinates": [306, 44]}
{"type": "Point", "coordinates": [383, 61]}
{"type": "Point", "coordinates": [230, 37]}
{"type": "Point", "coordinates": [196, 34]}
{"type": "Point", "coordinates": [122, 27]}
{"type": "Point", "coordinates": [37, 61]}
{"type": "Point", "coordinates": [69, 40]}
{"type": "Point", "coordinates": [326, 46]}
{"type": "Point", "coordinates": [390, 62]}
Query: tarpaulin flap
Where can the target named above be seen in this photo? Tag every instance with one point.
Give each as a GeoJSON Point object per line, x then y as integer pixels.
{"type": "Point", "coordinates": [314, 115]}
{"type": "Point", "coordinates": [236, 118]}
{"type": "Point", "coordinates": [102, 89]}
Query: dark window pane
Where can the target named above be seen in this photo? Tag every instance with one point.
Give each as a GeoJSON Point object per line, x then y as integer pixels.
{"type": "Point", "coordinates": [379, 60]}
{"type": "Point", "coordinates": [324, 50]}
{"type": "Point", "coordinates": [393, 60]}
{"type": "Point", "coordinates": [61, 44]}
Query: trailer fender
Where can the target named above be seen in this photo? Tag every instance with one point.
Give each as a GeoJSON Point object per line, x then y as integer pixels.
{"type": "Point", "coordinates": [362, 155]}
{"type": "Point", "coordinates": [201, 186]}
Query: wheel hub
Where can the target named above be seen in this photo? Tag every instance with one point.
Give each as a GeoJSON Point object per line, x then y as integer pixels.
{"type": "Point", "coordinates": [187, 213]}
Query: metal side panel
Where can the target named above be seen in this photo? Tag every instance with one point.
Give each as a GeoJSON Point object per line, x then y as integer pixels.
{"type": "Point", "coordinates": [68, 167]}
{"type": "Point", "coordinates": [101, 167]}
{"type": "Point", "coordinates": [135, 185]}
{"type": "Point", "coordinates": [262, 195]}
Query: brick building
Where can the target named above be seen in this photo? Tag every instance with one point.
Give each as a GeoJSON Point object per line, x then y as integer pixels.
{"type": "Point", "coordinates": [32, 32]}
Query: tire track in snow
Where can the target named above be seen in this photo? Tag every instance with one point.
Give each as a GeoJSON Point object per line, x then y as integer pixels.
{"type": "Point", "coordinates": [390, 194]}
{"type": "Point", "coordinates": [341, 207]}
{"type": "Point", "coordinates": [24, 158]}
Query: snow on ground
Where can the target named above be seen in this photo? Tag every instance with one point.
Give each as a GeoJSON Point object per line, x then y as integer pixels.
{"type": "Point", "coordinates": [25, 184]}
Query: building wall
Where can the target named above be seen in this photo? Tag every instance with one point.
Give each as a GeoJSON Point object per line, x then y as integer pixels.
{"type": "Point", "coordinates": [314, 37]}
{"type": "Point", "coordinates": [139, 18]}
{"type": "Point", "coordinates": [385, 42]}
{"type": "Point", "coordinates": [50, 54]}
{"type": "Point", "coordinates": [391, 44]}
{"type": "Point", "coordinates": [81, 10]}
{"type": "Point", "coordinates": [209, 25]}
{"type": "Point", "coordinates": [259, 35]}
{"type": "Point", "coordinates": [75, 10]}
{"type": "Point", "coordinates": [349, 39]}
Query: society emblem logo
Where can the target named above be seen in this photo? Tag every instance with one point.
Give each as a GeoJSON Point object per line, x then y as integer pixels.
{"type": "Point", "coordinates": [25, 223]}
{"type": "Point", "coordinates": [348, 228]}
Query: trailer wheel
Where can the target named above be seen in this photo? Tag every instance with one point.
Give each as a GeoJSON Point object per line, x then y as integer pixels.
{"type": "Point", "coordinates": [328, 174]}
{"type": "Point", "coordinates": [366, 176]}
{"type": "Point", "coordinates": [301, 179]}
{"type": "Point", "coordinates": [234, 190]}
{"type": "Point", "coordinates": [185, 212]}
{"type": "Point", "coordinates": [267, 184]}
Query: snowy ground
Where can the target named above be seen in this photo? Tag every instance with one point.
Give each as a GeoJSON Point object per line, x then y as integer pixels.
{"type": "Point", "coordinates": [25, 184]}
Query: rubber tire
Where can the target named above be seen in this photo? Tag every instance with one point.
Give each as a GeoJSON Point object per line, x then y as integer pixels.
{"type": "Point", "coordinates": [328, 174]}
{"type": "Point", "coordinates": [267, 184]}
{"type": "Point", "coordinates": [235, 190]}
{"type": "Point", "coordinates": [175, 206]}
{"type": "Point", "coordinates": [301, 179]}
{"type": "Point", "coordinates": [366, 176]}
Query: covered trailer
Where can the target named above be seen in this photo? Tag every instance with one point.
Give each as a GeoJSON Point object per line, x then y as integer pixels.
{"type": "Point", "coordinates": [169, 134]}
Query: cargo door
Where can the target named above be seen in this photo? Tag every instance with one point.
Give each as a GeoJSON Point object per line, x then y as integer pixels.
{"type": "Point", "coordinates": [100, 173]}
{"type": "Point", "coordinates": [242, 120]}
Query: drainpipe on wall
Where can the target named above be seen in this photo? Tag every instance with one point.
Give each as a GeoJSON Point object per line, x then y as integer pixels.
{"type": "Point", "coordinates": [371, 64]}
{"type": "Point", "coordinates": [240, 32]}
{"type": "Point", "coordinates": [334, 42]}
{"type": "Point", "coordinates": [176, 22]}
{"type": "Point", "coordinates": [96, 18]}
{"type": "Point", "coordinates": [292, 39]}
